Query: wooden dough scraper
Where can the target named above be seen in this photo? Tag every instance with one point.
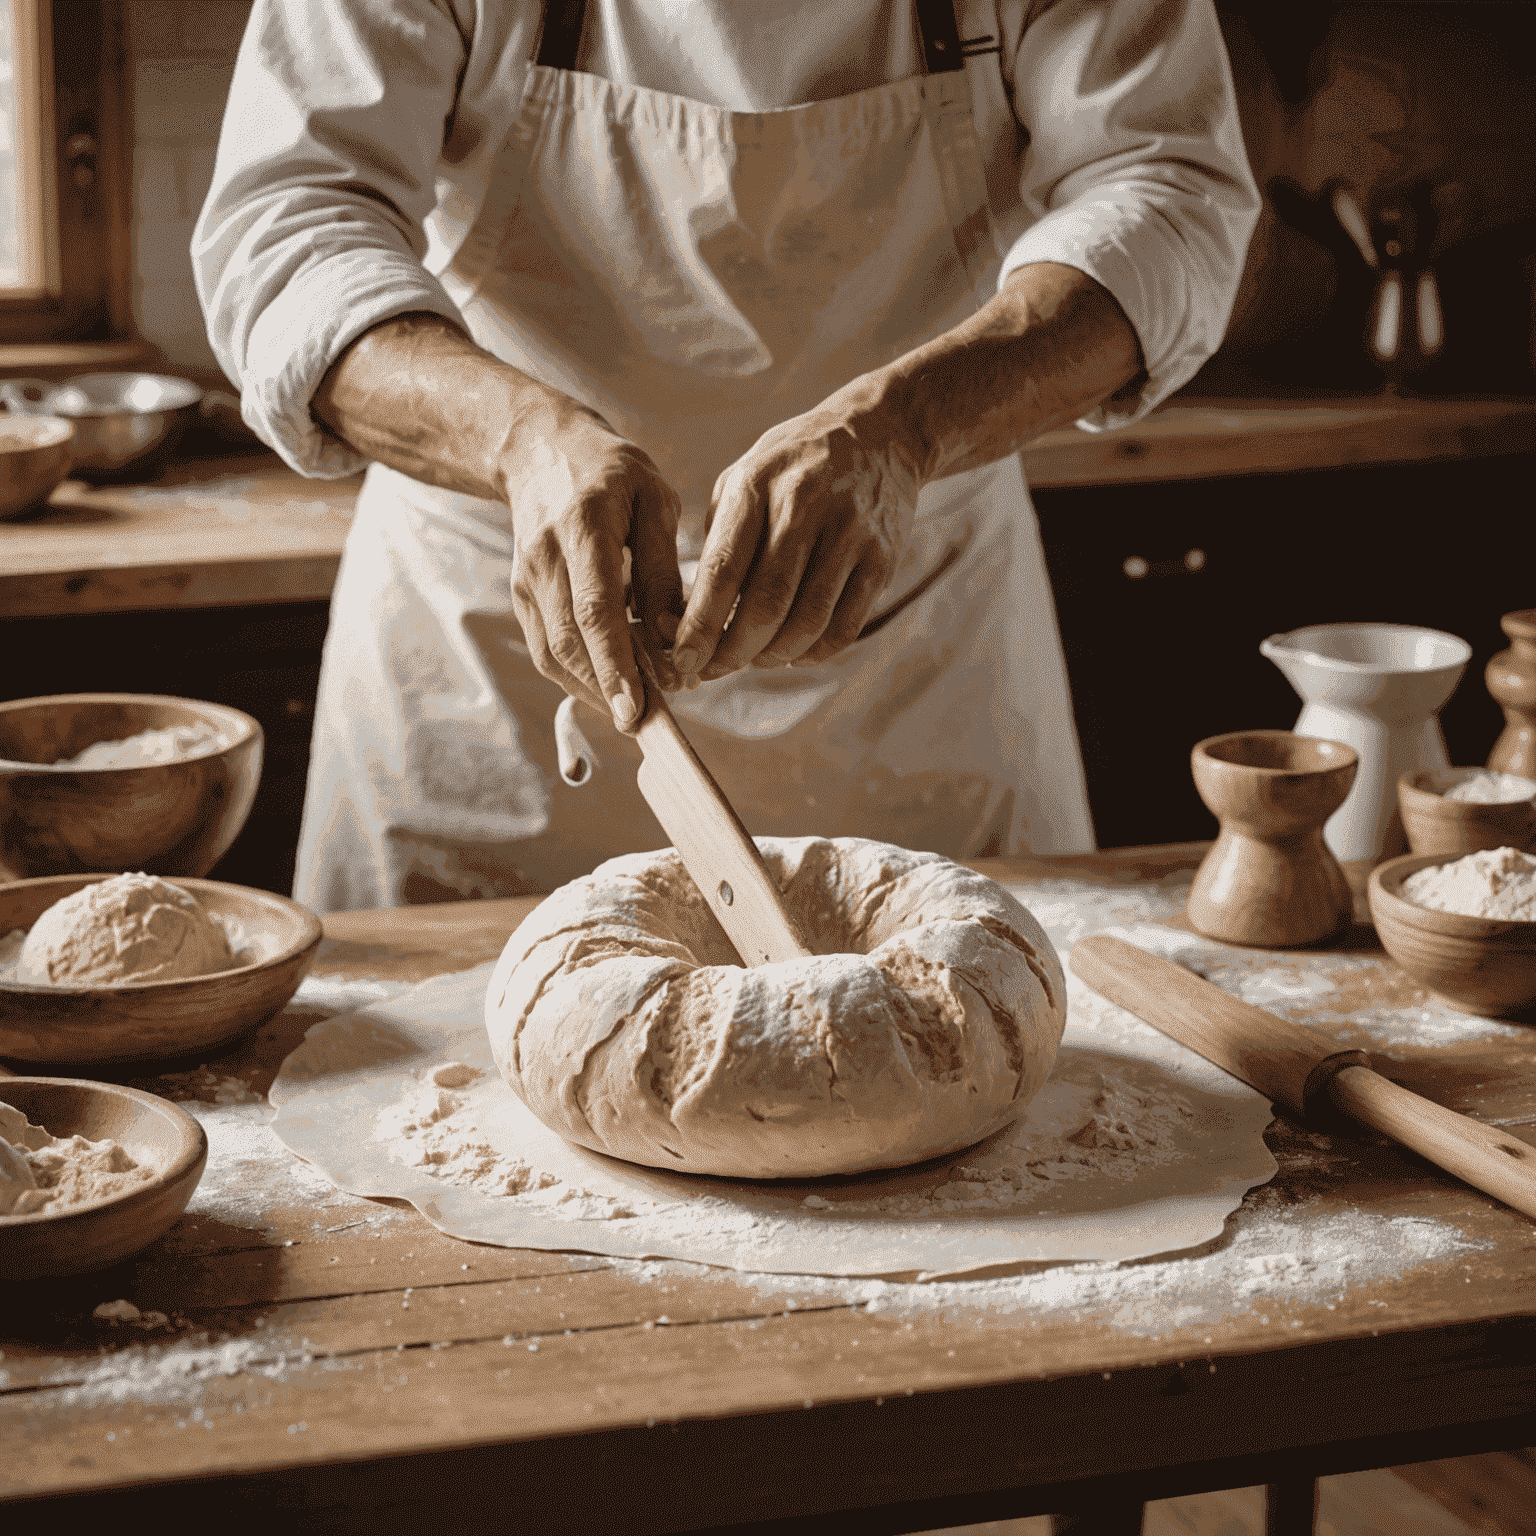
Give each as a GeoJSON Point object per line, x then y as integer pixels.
{"type": "Point", "coordinates": [1298, 1067]}
{"type": "Point", "coordinates": [715, 847]}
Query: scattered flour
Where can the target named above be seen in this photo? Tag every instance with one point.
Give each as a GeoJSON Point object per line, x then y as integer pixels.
{"type": "Point", "coordinates": [431, 1127]}
{"type": "Point", "coordinates": [39, 1172]}
{"type": "Point", "coordinates": [1331, 991]}
{"type": "Point", "coordinates": [1271, 1262]}
{"type": "Point", "coordinates": [1276, 1260]}
{"type": "Point", "coordinates": [1111, 1128]}
{"type": "Point", "coordinates": [1497, 883]}
{"type": "Point", "coordinates": [1492, 789]}
{"type": "Point", "coordinates": [334, 994]}
{"type": "Point", "coordinates": [250, 1179]}
{"type": "Point", "coordinates": [1127, 1130]}
{"type": "Point", "coordinates": [147, 747]}
{"type": "Point", "coordinates": [173, 1372]}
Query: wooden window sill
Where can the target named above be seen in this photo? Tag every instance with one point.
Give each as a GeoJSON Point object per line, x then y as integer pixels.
{"type": "Point", "coordinates": [62, 359]}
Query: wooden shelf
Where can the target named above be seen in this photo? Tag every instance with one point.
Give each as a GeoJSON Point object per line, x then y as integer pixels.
{"type": "Point", "coordinates": [1194, 438]}
{"type": "Point", "coordinates": [215, 532]}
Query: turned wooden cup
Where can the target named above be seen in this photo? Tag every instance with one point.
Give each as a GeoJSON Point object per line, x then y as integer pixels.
{"type": "Point", "coordinates": [1270, 879]}
{"type": "Point", "coordinates": [1511, 679]}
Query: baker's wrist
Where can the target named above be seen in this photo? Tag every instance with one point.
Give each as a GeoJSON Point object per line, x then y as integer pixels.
{"type": "Point", "coordinates": [535, 419]}
{"type": "Point", "coordinates": [878, 409]}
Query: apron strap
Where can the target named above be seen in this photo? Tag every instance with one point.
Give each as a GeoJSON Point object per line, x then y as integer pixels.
{"type": "Point", "coordinates": [563, 19]}
{"type": "Point", "coordinates": [561, 36]}
{"type": "Point", "coordinates": [941, 36]}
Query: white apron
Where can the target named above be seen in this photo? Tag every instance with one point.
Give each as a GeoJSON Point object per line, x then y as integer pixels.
{"type": "Point", "coordinates": [699, 275]}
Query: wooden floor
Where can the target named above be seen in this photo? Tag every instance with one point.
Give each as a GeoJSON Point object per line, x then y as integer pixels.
{"type": "Point", "coordinates": [1493, 1495]}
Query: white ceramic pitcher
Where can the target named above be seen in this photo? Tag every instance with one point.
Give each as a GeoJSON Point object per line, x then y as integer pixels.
{"type": "Point", "coordinates": [1378, 688]}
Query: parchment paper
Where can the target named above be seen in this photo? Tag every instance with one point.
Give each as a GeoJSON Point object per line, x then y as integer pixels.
{"type": "Point", "coordinates": [331, 1092]}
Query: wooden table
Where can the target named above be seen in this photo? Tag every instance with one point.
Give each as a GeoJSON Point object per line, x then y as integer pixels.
{"type": "Point", "coordinates": [377, 1376]}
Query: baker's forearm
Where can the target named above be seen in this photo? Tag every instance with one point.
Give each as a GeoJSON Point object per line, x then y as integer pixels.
{"type": "Point", "coordinates": [1050, 345]}
{"type": "Point", "coordinates": [417, 394]}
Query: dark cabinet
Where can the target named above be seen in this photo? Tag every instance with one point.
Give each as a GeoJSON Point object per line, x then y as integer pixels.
{"type": "Point", "coordinates": [1164, 592]}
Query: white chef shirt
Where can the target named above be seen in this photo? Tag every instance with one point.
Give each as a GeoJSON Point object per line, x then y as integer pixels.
{"type": "Point", "coordinates": [360, 137]}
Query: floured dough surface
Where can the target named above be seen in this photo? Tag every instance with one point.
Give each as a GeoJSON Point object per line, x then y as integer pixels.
{"type": "Point", "coordinates": [131, 928]}
{"type": "Point", "coordinates": [929, 1019]}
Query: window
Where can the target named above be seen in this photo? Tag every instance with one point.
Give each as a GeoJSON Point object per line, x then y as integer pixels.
{"type": "Point", "coordinates": [63, 238]}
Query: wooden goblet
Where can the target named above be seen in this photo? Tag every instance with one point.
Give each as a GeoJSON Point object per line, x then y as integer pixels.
{"type": "Point", "coordinates": [1511, 678]}
{"type": "Point", "coordinates": [1270, 879]}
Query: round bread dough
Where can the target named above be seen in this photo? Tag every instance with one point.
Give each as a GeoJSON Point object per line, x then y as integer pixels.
{"type": "Point", "coordinates": [621, 1017]}
{"type": "Point", "coordinates": [130, 928]}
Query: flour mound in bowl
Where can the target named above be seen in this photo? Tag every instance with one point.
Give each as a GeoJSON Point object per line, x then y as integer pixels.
{"type": "Point", "coordinates": [930, 1017]}
{"type": "Point", "coordinates": [145, 748]}
{"type": "Point", "coordinates": [129, 928]}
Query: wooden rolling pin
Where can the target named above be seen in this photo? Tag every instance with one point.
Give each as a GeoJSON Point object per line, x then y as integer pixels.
{"type": "Point", "coordinates": [715, 847]}
{"type": "Point", "coordinates": [1293, 1064]}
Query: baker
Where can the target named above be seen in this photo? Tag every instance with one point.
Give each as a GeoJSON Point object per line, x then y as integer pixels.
{"type": "Point", "coordinates": [738, 315]}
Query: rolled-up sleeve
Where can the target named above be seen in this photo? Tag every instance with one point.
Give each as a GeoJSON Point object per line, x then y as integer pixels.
{"type": "Point", "coordinates": [313, 227]}
{"type": "Point", "coordinates": [1136, 174]}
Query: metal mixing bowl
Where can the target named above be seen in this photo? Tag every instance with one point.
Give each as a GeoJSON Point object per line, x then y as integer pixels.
{"type": "Point", "coordinates": [123, 421]}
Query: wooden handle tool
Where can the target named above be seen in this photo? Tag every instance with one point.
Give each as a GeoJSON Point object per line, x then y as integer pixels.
{"type": "Point", "coordinates": [716, 848]}
{"type": "Point", "coordinates": [1293, 1064]}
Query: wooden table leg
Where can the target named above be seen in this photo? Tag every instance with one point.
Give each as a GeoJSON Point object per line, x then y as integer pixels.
{"type": "Point", "coordinates": [1290, 1508]}
{"type": "Point", "coordinates": [1112, 1517]}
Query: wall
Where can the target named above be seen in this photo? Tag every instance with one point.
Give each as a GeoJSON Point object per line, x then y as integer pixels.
{"type": "Point", "coordinates": [1379, 97]}
{"type": "Point", "coordinates": [181, 54]}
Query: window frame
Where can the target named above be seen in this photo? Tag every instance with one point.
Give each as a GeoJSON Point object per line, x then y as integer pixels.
{"type": "Point", "coordinates": [84, 152]}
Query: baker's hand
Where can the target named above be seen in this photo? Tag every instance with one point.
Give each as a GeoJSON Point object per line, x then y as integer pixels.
{"type": "Point", "coordinates": [580, 496]}
{"type": "Point", "coordinates": [806, 528]}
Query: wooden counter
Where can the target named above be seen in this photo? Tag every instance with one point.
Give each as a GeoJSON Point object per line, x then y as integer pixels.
{"type": "Point", "coordinates": [329, 1363]}
{"type": "Point", "coordinates": [208, 533]}
{"type": "Point", "coordinates": [216, 532]}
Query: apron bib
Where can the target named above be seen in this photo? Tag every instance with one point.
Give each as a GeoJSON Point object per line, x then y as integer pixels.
{"type": "Point", "coordinates": [699, 275]}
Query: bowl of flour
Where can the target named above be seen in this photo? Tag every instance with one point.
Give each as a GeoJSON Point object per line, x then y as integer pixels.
{"type": "Point", "coordinates": [89, 1173]}
{"type": "Point", "coordinates": [96, 969]}
{"type": "Point", "coordinates": [1452, 811]}
{"type": "Point", "coordinates": [1465, 927]}
{"type": "Point", "coordinates": [110, 781]}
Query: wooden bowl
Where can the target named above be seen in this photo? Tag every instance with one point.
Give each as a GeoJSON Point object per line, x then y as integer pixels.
{"type": "Point", "coordinates": [155, 1133]}
{"type": "Point", "coordinates": [1477, 964]}
{"type": "Point", "coordinates": [35, 455]}
{"type": "Point", "coordinates": [152, 1020]}
{"type": "Point", "coordinates": [173, 818]}
{"type": "Point", "coordinates": [1453, 827]}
